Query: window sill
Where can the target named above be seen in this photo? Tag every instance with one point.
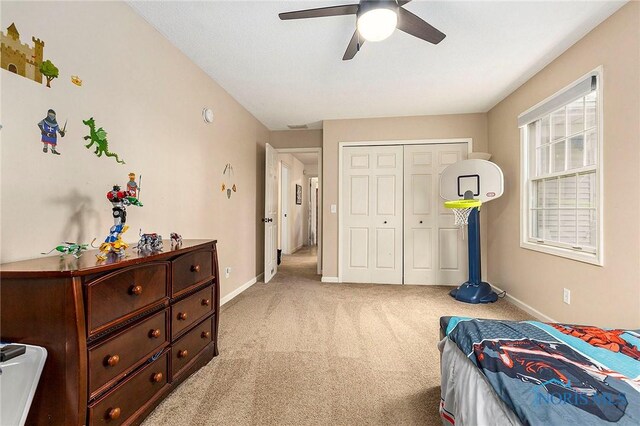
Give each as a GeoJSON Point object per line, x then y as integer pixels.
{"type": "Point", "coordinates": [591, 258]}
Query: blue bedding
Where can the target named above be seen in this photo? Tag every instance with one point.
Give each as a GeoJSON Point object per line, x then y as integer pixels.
{"type": "Point", "coordinates": [555, 374]}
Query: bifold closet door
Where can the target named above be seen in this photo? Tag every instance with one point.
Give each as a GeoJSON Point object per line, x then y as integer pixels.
{"type": "Point", "coordinates": [434, 249]}
{"type": "Point", "coordinates": [372, 214]}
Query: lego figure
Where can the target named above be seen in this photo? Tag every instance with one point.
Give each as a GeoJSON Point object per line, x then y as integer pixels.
{"type": "Point", "coordinates": [70, 248]}
{"type": "Point", "coordinates": [49, 129]}
{"type": "Point", "coordinates": [132, 186]}
{"type": "Point", "coordinates": [120, 200]}
{"type": "Point", "coordinates": [113, 243]}
{"type": "Point", "coordinates": [149, 242]}
{"type": "Point", "coordinates": [176, 239]}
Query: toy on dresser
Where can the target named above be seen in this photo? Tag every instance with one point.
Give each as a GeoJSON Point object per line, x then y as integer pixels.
{"type": "Point", "coordinates": [176, 239]}
{"type": "Point", "coordinates": [149, 242]}
{"type": "Point", "coordinates": [70, 248]}
{"type": "Point", "coordinates": [119, 200]}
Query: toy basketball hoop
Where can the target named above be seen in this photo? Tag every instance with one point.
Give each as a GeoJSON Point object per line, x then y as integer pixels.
{"type": "Point", "coordinates": [462, 209]}
{"type": "Point", "coordinates": [465, 186]}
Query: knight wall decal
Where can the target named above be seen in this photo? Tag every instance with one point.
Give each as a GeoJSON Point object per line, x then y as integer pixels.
{"type": "Point", "coordinates": [98, 137]}
{"type": "Point", "coordinates": [49, 130]}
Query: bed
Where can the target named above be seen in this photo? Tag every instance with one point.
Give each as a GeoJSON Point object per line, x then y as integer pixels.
{"type": "Point", "coordinates": [531, 373]}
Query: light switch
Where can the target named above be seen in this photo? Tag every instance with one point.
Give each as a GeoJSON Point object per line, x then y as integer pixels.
{"type": "Point", "coordinates": [334, 208]}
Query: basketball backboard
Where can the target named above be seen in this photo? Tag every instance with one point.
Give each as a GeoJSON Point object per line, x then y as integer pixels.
{"type": "Point", "coordinates": [483, 178]}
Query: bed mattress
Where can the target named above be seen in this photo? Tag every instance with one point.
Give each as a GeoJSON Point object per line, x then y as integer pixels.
{"type": "Point", "coordinates": [503, 372]}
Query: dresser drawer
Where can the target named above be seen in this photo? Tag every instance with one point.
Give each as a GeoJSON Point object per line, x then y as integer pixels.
{"type": "Point", "coordinates": [190, 269]}
{"type": "Point", "coordinates": [122, 402]}
{"type": "Point", "coordinates": [125, 293]}
{"type": "Point", "coordinates": [115, 356]}
{"type": "Point", "coordinates": [189, 345]}
{"type": "Point", "coordinates": [190, 310]}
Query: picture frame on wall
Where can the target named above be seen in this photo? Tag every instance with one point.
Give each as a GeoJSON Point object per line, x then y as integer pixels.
{"type": "Point", "coordinates": [298, 194]}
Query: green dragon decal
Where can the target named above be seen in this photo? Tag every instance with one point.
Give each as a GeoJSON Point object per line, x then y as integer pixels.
{"type": "Point", "coordinates": [99, 138]}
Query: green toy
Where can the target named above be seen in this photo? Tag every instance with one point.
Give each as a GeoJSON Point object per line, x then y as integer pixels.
{"type": "Point", "coordinates": [99, 137]}
{"type": "Point", "coordinates": [70, 248]}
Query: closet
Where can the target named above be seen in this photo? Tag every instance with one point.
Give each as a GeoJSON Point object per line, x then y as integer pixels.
{"type": "Point", "coordinates": [394, 227]}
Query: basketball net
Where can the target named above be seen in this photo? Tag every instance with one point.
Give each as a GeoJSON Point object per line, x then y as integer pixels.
{"type": "Point", "coordinates": [462, 210]}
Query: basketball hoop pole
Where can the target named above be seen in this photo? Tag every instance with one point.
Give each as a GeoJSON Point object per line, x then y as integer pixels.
{"type": "Point", "coordinates": [475, 253]}
{"type": "Point", "coordinates": [474, 290]}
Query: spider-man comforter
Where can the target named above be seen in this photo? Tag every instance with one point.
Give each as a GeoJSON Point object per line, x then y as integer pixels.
{"type": "Point", "coordinates": [556, 373]}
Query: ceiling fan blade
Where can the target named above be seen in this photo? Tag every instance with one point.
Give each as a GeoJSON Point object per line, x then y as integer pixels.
{"type": "Point", "coordinates": [354, 46]}
{"type": "Point", "coordinates": [347, 9]}
{"type": "Point", "coordinates": [411, 24]}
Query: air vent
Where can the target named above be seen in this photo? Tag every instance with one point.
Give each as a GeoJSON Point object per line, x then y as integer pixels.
{"type": "Point", "coordinates": [297, 126]}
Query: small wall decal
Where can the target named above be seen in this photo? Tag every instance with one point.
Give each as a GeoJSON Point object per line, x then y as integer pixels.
{"type": "Point", "coordinates": [227, 184]}
{"type": "Point", "coordinates": [18, 57]}
{"type": "Point", "coordinates": [49, 130]}
{"type": "Point", "coordinates": [49, 71]}
{"type": "Point", "coordinates": [98, 137]}
{"type": "Point", "coordinates": [76, 80]}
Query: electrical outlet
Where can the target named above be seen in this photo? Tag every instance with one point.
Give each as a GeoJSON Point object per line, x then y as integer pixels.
{"type": "Point", "coordinates": [227, 271]}
{"type": "Point", "coordinates": [566, 296]}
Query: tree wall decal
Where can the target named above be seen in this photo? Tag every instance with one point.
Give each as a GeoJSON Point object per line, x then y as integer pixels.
{"type": "Point", "coordinates": [49, 70]}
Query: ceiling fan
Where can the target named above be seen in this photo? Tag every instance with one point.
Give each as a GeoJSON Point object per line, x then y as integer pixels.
{"type": "Point", "coordinates": [375, 21]}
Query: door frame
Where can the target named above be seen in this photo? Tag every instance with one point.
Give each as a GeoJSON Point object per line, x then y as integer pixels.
{"type": "Point", "coordinates": [342, 145]}
{"type": "Point", "coordinates": [284, 197]}
{"type": "Point", "coordinates": [320, 194]}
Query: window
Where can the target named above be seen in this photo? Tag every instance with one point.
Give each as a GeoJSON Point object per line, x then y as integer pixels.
{"type": "Point", "coordinates": [561, 193]}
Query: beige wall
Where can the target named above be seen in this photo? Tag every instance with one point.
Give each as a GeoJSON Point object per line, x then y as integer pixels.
{"type": "Point", "coordinates": [383, 129]}
{"type": "Point", "coordinates": [296, 138]}
{"type": "Point", "coordinates": [149, 97]}
{"type": "Point", "coordinates": [608, 295]}
{"type": "Point", "coordinates": [296, 215]}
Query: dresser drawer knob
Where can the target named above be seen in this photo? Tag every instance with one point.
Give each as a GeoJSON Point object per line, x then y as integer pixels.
{"type": "Point", "coordinates": [155, 333]}
{"type": "Point", "coordinates": [113, 413]}
{"type": "Point", "coordinates": [113, 360]}
{"type": "Point", "coordinates": [195, 268]}
{"type": "Point", "coordinates": [205, 334]}
{"type": "Point", "coordinates": [157, 378]}
{"type": "Point", "coordinates": [182, 316]}
{"type": "Point", "coordinates": [136, 290]}
{"type": "Point", "coordinates": [183, 353]}
{"type": "Point", "coordinates": [205, 302]}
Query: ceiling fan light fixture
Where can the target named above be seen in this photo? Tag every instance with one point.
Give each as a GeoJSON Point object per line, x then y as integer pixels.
{"type": "Point", "coordinates": [377, 24]}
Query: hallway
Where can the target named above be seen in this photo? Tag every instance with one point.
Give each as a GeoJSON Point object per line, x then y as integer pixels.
{"type": "Point", "coordinates": [301, 264]}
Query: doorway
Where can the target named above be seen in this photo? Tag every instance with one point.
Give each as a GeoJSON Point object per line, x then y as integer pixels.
{"type": "Point", "coordinates": [298, 220]}
{"type": "Point", "coordinates": [393, 226]}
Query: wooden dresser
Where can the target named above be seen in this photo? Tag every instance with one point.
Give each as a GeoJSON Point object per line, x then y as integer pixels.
{"type": "Point", "coordinates": [120, 334]}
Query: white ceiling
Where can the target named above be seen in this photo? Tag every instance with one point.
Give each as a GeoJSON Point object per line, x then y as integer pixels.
{"type": "Point", "coordinates": [291, 72]}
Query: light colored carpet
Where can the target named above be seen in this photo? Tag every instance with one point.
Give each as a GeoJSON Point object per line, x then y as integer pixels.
{"type": "Point", "coordinates": [300, 352]}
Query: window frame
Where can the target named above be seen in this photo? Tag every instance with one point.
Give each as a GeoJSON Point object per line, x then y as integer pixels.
{"type": "Point", "coordinates": [526, 185]}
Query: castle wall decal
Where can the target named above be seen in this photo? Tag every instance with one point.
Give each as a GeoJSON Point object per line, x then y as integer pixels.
{"type": "Point", "coordinates": [20, 58]}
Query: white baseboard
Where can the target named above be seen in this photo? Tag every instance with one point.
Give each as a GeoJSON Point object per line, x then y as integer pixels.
{"type": "Point", "coordinates": [240, 289]}
{"type": "Point", "coordinates": [527, 308]}
{"type": "Point", "coordinates": [329, 279]}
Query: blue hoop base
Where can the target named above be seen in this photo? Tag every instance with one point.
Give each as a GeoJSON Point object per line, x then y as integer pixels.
{"type": "Point", "coordinates": [474, 293]}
